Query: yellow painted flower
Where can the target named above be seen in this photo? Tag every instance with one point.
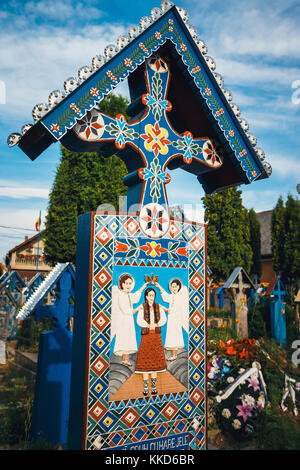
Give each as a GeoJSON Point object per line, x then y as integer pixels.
{"type": "Point", "coordinates": [156, 139]}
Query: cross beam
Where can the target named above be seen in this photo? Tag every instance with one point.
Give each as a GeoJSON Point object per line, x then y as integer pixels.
{"type": "Point", "coordinates": [147, 144]}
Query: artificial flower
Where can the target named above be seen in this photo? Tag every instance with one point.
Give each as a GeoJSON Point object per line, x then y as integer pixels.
{"type": "Point", "coordinates": [248, 400]}
{"type": "Point", "coordinates": [261, 401]}
{"type": "Point", "coordinates": [231, 351]}
{"type": "Point", "coordinates": [224, 370]}
{"type": "Point", "coordinates": [230, 380]}
{"type": "Point", "coordinates": [226, 413]}
{"type": "Point", "coordinates": [244, 411]}
{"type": "Point", "coordinates": [236, 424]}
{"type": "Point", "coordinates": [253, 383]}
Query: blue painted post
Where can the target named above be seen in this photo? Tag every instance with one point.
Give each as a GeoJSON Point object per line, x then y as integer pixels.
{"type": "Point", "coordinates": [277, 313]}
{"type": "Point", "coordinates": [220, 294]}
{"type": "Point", "coordinates": [52, 393]}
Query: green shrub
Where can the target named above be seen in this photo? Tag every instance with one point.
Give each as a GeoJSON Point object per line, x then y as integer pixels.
{"type": "Point", "coordinates": [277, 432]}
{"type": "Point", "coordinates": [219, 313]}
{"type": "Point", "coordinates": [16, 411]}
{"type": "Point", "coordinates": [257, 319]}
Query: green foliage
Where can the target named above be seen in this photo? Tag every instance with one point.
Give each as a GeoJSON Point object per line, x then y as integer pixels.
{"type": "Point", "coordinates": [29, 333]}
{"type": "Point", "coordinates": [277, 432]}
{"type": "Point", "coordinates": [285, 236]}
{"type": "Point", "coordinates": [83, 182]}
{"type": "Point", "coordinates": [291, 328]}
{"type": "Point", "coordinates": [221, 334]}
{"type": "Point", "coordinates": [255, 242]}
{"type": "Point", "coordinates": [228, 233]}
{"type": "Point", "coordinates": [218, 313]}
{"type": "Point", "coordinates": [113, 105]}
{"type": "Point", "coordinates": [257, 317]}
{"type": "Point", "coordinates": [16, 410]}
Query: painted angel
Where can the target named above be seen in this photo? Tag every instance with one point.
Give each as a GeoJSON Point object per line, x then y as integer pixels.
{"type": "Point", "coordinates": [122, 317]}
{"type": "Point", "coordinates": [178, 315]}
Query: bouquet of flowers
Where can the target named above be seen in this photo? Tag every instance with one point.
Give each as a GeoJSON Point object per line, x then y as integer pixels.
{"type": "Point", "coordinates": [239, 392]}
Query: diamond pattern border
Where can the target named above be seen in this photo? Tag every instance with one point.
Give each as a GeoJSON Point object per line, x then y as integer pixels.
{"type": "Point", "coordinates": [111, 424]}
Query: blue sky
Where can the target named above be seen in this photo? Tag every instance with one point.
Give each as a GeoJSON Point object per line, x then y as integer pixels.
{"type": "Point", "coordinates": [256, 47]}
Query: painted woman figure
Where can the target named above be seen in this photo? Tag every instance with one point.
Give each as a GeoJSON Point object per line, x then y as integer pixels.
{"type": "Point", "coordinates": [151, 357]}
{"type": "Point", "coordinates": [122, 321]}
{"type": "Point", "coordinates": [178, 315]}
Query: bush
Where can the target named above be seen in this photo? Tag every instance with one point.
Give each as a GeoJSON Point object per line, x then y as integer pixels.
{"type": "Point", "coordinates": [29, 333]}
{"type": "Point", "coordinates": [277, 432]}
{"type": "Point", "coordinates": [16, 413]}
{"type": "Point", "coordinates": [218, 313]}
{"type": "Point", "coordinates": [258, 316]}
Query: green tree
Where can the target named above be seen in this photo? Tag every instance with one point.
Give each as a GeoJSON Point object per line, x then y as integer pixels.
{"type": "Point", "coordinates": [228, 233]}
{"type": "Point", "coordinates": [83, 181]}
{"type": "Point", "coordinates": [285, 237]}
{"type": "Point", "coordinates": [278, 235]}
{"type": "Point", "coordinates": [255, 242]}
{"type": "Point", "coordinates": [292, 242]}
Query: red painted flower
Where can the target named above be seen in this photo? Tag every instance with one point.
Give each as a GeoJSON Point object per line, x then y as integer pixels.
{"type": "Point", "coordinates": [55, 127]}
{"type": "Point", "coordinates": [94, 91]}
{"type": "Point", "coordinates": [128, 62]}
{"type": "Point", "coordinates": [182, 251]}
{"type": "Point", "coordinates": [121, 247]}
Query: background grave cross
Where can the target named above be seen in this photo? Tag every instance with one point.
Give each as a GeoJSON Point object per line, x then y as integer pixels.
{"type": "Point", "coordinates": [147, 145]}
{"type": "Point", "coordinates": [241, 307]}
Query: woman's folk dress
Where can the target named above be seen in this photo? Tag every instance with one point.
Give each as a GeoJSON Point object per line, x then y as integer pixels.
{"type": "Point", "coordinates": [151, 356]}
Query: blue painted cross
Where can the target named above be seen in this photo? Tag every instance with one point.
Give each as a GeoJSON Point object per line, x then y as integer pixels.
{"type": "Point", "coordinates": [148, 145]}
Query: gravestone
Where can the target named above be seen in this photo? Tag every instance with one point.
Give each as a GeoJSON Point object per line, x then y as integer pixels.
{"type": "Point", "coordinates": [13, 284]}
{"type": "Point", "coordinates": [238, 282]}
{"type": "Point", "coordinates": [138, 360]}
{"type": "Point", "coordinates": [8, 311]}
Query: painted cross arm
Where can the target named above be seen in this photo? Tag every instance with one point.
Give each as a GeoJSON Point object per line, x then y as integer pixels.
{"type": "Point", "coordinates": [150, 136]}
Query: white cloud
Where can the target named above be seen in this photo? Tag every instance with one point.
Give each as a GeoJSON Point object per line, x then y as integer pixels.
{"type": "Point", "coordinates": [265, 29]}
{"type": "Point", "coordinates": [23, 192]}
{"type": "Point", "coordinates": [285, 165]}
{"type": "Point", "coordinates": [57, 9]}
{"type": "Point", "coordinates": [17, 190]}
{"type": "Point", "coordinates": [256, 72]}
{"type": "Point", "coordinates": [34, 64]}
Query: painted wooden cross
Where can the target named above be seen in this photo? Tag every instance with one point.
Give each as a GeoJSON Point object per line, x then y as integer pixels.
{"type": "Point", "coordinates": [147, 145]}
{"type": "Point", "coordinates": [241, 306]}
{"type": "Point", "coordinates": [277, 312]}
